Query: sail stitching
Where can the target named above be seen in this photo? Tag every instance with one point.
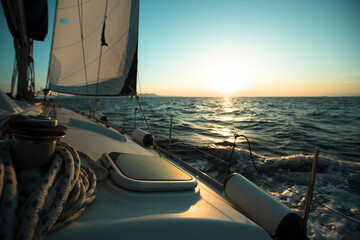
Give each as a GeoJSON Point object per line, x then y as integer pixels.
{"type": "Point", "coordinates": [94, 60]}
{"type": "Point", "coordinates": [112, 10]}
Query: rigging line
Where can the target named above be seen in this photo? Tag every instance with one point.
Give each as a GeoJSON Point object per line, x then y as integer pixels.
{"type": "Point", "coordinates": [148, 126]}
{"type": "Point", "coordinates": [272, 183]}
{"type": "Point", "coordinates": [267, 141]}
{"type": "Point", "coordinates": [94, 60]}
{"type": "Point", "coordinates": [83, 50]}
{"type": "Point", "coordinates": [339, 213]}
{"type": "Point", "coordinates": [285, 188]}
{"type": "Point", "coordinates": [251, 156]}
{"type": "Point", "coordinates": [103, 43]}
{"type": "Point", "coordinates": [274, 142]}
{"type": "Point", "coordinates": [138, 81]}
{"type": "Point", "coordinates": [289, 189]}
{"type": "Point", "coordinates": [306, 149]}
{"type": "Point", "coordinates": [210, 155]}
{"type": "Point", "coordinates": [197, 149]}
{"type": "Point", "coordinates": [122, 99]}
{"type": "Point", "coordinates": [340, 158]}
{"type": "Point", "coordinates": [14, 77]}
{"type": "Point", "coordinates": [74, 107]}
{"type": "Point", "coordinates": [313, 201]}
{"type": "Point", "coordinates": [51, 49]}
{"type": "Point", "coordinates": [326, 207]}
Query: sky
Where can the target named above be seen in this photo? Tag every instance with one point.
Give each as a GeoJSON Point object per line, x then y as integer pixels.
{"type": "Point", "coordinates": [234, 48]}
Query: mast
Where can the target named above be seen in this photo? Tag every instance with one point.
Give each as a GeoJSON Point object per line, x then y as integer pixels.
{"type": "Point", "coordinates": [22, 46]}
{"type": "Point", "coordinates": [25, 69]}
{"type": "Point", "coordinates": [46, 91]}
{"type": "Point", "coordinates": [27, 21]}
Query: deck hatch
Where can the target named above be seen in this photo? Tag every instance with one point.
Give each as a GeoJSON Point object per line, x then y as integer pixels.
{"type": "Point", "coordinates": [147, 173]}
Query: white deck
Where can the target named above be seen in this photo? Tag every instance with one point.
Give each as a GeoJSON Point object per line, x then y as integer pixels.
{"type": "Point", "coordinates": [119, 213]}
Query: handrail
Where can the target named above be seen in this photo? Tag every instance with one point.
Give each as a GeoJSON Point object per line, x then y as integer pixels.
{"type": "Point", "coordinates": [195, 171]}
{"type": "Point", "coordinates": [101, 121]}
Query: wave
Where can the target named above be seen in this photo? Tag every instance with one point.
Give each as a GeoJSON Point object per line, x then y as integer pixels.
{"type": "Point", "coordinates": [286, 178]}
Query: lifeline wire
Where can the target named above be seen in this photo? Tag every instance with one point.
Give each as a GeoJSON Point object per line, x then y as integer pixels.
{"type": "Point", "coordinates": [272, 183]}
{"type": "Point", "coordinates": [148, 126]}
{"type": "Point", "coordinates": [107, 106]}
{"type": "Point", "coordinates": [251, 156]}
{"type": "Point", "coordinates": [66, 190]}
{"type": "Point", "coordinates": [313, 200]}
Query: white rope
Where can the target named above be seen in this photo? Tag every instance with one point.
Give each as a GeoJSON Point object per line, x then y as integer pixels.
{"type": "Point", "coordinates": [66, 190]}
{"type": "Point", "coordinates": [9, 194]}
{"type": "Point", "coordinates": [96, 166]}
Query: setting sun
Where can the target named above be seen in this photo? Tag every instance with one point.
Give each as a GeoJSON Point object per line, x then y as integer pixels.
{"type": "Point", "coordinates": [226, 73]}
{"type": "Point", "coordinates": [228, 86]}
{"type": "Point", "coordinates": [228, 80]}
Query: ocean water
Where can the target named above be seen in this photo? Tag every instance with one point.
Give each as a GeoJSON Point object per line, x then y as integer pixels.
{"type": "Point", "coordinates": [283, 135]}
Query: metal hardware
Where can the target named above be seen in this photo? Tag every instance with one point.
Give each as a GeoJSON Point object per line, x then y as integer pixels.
{"type": "Point", "coordinates": [170, 130]}
{"type": "Point", "coordinates": [311, 187]}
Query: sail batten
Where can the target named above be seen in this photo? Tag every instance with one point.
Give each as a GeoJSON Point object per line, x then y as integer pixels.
{"type": "Point", "coordinates": [68, 62]}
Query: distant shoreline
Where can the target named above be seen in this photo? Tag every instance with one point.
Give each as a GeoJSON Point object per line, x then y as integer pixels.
{"type": "Point", "coordinates": [154, 95]}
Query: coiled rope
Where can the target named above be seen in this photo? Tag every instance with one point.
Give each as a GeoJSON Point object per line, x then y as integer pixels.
{"type": "Point", "coordinates": [66, 190]}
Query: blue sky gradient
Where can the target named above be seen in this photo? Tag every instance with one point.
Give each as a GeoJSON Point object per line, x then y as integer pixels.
{"type": "Point", "coordinates": [235, 48]}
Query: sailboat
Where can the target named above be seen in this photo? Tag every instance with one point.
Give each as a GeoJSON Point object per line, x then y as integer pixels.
{"type": "Point", "coordinates": [67, 175]}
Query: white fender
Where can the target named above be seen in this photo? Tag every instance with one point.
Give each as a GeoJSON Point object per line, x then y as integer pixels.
{"type": "Point", "coordinates": [255, 203]}
{"type": "Point", "coordinates": [101, 116]}
{"type": "Point", "coordinates": [142, 137]}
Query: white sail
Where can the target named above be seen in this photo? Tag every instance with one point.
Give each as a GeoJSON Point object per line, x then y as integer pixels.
{"type": "Point", "coordinates": [80, 66]}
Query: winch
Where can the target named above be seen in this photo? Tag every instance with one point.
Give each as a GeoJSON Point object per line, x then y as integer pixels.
{"type": "Point", "coordinates": [33, 140]}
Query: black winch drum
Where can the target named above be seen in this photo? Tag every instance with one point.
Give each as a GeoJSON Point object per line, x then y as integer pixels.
{"type": "Point", "coordinates": [33, 140]}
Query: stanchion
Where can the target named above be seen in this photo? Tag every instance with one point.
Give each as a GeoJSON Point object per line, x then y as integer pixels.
{"type": "Point", "coordinates": [170, 129]}
{"type": "Point", "coordinates": [311, 187]}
